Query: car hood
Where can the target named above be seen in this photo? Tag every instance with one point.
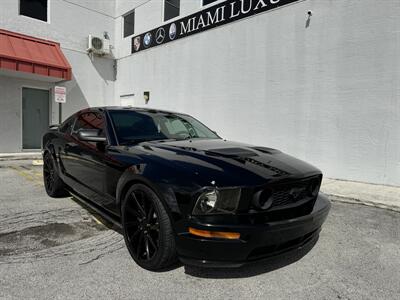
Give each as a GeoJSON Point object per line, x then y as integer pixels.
{"type": "Point", "coordinates": [226, 163]}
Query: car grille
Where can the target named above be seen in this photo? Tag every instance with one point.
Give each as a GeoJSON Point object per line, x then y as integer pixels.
{"type": "Point", "coordinates": [287, 195]}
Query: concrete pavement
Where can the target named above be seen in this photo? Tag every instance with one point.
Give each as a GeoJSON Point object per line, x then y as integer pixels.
{"type": "Point", "coordinates": [54, 249]}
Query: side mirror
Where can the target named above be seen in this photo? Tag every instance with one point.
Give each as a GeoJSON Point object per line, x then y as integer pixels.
{"type": "Point", "coordinates": [91, 135]}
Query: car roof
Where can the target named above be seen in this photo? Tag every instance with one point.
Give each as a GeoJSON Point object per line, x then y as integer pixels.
{"type": "Point", "coordinates": [139, 109]}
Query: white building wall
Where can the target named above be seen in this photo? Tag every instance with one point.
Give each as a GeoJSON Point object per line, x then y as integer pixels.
{"type": "Point", "coordinates": [11, 111]}
{"type": "Point", "coordinates": [70, 23]}
{"type": "Point", "coordinates": [326, 91]}
{"type": "Point", "coordinates": [149, 14]}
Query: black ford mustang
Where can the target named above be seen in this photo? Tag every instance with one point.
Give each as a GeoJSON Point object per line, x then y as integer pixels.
{"type": "Point", "coordinates": [178, 190]}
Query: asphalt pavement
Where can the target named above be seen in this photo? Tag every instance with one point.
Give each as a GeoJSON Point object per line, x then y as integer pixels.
{"type": "Point", "coordinates": [57, 249]}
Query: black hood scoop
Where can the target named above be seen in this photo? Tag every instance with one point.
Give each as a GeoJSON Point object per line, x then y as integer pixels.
{"type": "Point", "coordinates": [232, 152]}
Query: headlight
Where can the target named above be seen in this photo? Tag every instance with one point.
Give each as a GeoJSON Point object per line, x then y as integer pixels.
{"type": "Point", "coordinates": [217, 201]}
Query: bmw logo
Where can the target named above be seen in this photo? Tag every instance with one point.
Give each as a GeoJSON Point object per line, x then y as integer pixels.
{"type": "Point", "coordinates": [147, 39]}
{"type": "Point", "coordinates": [172, 31]}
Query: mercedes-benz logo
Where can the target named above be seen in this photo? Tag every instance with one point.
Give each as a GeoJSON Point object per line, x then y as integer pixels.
{"type": "Point", "coordinates": [172, 31]}
{"type": "Point", "coordinates": [160, 35]}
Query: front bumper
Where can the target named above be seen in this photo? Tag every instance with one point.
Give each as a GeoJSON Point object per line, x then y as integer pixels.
{"type": "Point", "coordinates": [257, 241]}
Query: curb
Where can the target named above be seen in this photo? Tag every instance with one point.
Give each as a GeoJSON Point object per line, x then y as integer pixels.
{"type": "Point", "coordinates": [10, 158]}
{"type": "Point", "coordinates": [21, 156]}
{"type": "Point", "coordinates": [335, 198]}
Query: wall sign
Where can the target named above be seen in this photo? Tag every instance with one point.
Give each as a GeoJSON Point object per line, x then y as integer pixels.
{"type": "Point", "coordinates": [220, 14]}
{"type": "Point", "coordinates": [60, 94]}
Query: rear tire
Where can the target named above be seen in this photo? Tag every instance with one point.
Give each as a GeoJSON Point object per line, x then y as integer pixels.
{"type": "Point", "coordinates": [147, 229]}
{"type": "Point", "coordinates": [53, 184]}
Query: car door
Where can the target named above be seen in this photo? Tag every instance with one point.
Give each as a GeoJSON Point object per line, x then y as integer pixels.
{"type": "Point", "coordinates": [64, 137]}
{"type": "Point", "coordinates": [84, 161]}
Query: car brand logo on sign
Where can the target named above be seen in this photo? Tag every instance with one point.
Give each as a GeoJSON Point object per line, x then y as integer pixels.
{"type": "Point", "coordinates": [136, 43]}
{"type": "Point", "coordinates": [147, 39]}
{"type": "Point", "coordinates": [216, 15]}
{"type": "Point", "coordinates": [172, 31]}
{"type": "Point", "coordinates": [60, 94]}
{"type": "Point", "coordinates": [160, 35]}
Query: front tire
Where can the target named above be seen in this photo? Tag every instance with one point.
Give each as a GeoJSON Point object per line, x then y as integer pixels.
{"type": "Point", "coordinates": [147, 229]}
{"type": "Point", "coordinates": [53, 184]}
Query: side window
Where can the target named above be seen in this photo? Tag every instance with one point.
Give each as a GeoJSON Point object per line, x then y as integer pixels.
{"type": "Point", "coordinates": [67, 125]}
{"type": "Point", "coordinates": [129, 24]}
{"type": "Point", "coordinates": [171, 9]}
{"type": "Point", "coordinates": [206, 2]}
{"type": "Point", "coordinates": [36, 9]}
{"type": "Point", "coordinates": [90, 120]}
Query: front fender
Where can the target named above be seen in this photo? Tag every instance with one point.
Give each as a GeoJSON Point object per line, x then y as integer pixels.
{"type": "Point", "coordinates": [49, 148]}
{"type": "Point", "coordinates": [164, 192]}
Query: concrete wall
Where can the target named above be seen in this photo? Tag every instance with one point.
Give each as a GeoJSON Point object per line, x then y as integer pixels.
{"type": "Point", "coordinates": [325, 90]}
{"type": "Point", "coordinates": [70, 23]}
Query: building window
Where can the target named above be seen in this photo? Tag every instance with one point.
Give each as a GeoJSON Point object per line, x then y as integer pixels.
{"type": "Point", "coordinates": [36, 9]}
{"type": "Point", "coordinates": [206, 2]}
{"type": "Point", "coordinates": [129, 24]}
{"type": "Point", "coordinates": [171, 9]}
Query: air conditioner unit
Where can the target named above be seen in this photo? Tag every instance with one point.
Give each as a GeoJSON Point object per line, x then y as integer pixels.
{"type": "Point", "coordinates": [98, 45]}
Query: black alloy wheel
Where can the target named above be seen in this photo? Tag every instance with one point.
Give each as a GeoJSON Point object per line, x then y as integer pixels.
{"type": "Point", "coordinates": [48, 172]}
{"type": "Point", "coordinates": [52, 182]}
{"type": "Point", "coordinates": [147, 229]}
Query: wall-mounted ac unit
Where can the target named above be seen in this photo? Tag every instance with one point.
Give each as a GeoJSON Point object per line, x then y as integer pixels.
{"type": "Point", "coordinates": [97, 45]}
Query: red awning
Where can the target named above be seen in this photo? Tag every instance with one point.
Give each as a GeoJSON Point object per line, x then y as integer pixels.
{"type": "Point", "coordinates": [24, 53]}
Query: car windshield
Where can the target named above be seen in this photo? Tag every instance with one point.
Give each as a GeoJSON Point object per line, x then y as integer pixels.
{"type": "Point", "coordinates": [138, 126]}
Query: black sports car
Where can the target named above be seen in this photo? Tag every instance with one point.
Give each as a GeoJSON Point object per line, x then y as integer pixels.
{"type": "Point", "coordinates": [178, 190]}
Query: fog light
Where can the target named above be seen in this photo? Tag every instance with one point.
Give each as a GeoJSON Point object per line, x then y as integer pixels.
{"type": "Point", "coordinates": [215, 234]}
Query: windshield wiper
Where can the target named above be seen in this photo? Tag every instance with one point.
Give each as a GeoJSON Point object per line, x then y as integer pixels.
{"type": "Point", "coordinates": [133, 142]}
{"type": "Point", "coordinates": [164, 140]}
{"type": "Point", "coordinates": [188, 137]}
{"type": "Point", "coordinates": [137, 141]}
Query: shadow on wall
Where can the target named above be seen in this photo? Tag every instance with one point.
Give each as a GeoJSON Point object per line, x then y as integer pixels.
{"type": "Point", "coordinates": [76, 99]}
{"type": "Point", "coordinates": [105, 67]}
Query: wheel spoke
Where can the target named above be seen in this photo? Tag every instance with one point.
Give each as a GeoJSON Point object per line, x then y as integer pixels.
{"type": "Point", "coordinates": [150, 213]}
{"type": "Point", "coordinates": [146, 240]}
{"type": "Point", "coordinates": [132, 223]}
{"type": "Point", "coordinates": [138, 205]}
{"type": "Point", "coordinates": [134, 212]}
{"type": "Point", "coordinates": [137, 231]}
{"type": "Point", "coordinates": [152, 242]}
{"type": "Point", "coordinates": [140, 243]}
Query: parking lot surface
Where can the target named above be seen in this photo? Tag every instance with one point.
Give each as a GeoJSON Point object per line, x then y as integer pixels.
{"type": "Point", "coordinates": [56, 249]}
